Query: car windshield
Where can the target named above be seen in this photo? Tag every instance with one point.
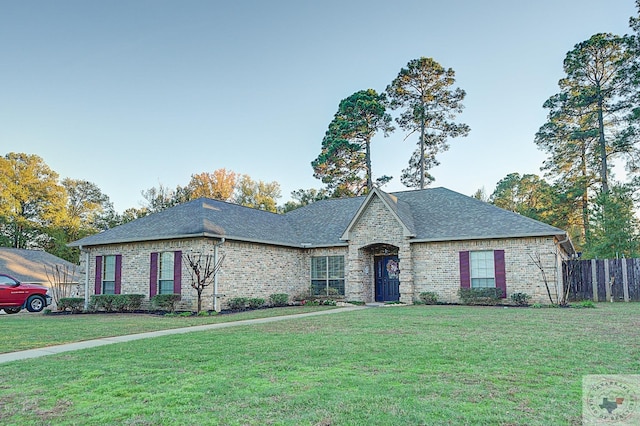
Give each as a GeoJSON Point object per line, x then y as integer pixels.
{"type": "Point", "coordinates": [7, 280]}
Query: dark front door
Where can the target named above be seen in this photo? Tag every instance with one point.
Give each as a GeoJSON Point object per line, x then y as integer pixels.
{"type": "Point", "coordinates": [387, 278]}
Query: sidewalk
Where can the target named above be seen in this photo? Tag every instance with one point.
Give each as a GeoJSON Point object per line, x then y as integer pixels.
{"type": "Point", "coordinates": [51, 350]}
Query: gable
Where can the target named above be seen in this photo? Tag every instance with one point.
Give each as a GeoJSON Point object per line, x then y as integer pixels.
{"type": "Point", "coordinates": [383, 211]}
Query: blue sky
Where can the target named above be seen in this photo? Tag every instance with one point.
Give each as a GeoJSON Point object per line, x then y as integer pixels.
{"type": "Point", "coordinates": [133, 94]}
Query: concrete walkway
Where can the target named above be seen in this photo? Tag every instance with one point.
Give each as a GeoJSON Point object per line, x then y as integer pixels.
{"type": "Point", "coordinates": [51, 350]}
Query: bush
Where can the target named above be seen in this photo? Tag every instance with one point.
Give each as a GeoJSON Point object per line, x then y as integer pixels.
{"type": "Point", "coordinates": [255, 303]}
{"type": "Point", "coordinates": [279, 299]}
{"type": "Point", "coordinates": [115, 302]}
{"type": "Point", "coordinates": [429, 298]}
{"type": "Point", "coordinates": [238, 303]}
{"type": "Point", "coordinates": [165, 302]}
{"type": "Point", "coordinates": [584, 304]}
{"type": "Point", "coordinates": [521, 299]}
{"type": "Point", "coordinates": [134, 301]}
{"type": "Point", "coordinates": [74, 304]}
{"type": "Point", "coordinates": [480, 296]}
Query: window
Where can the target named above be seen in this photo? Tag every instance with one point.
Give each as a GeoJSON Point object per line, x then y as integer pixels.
{"type": "Point", "coordinates": [109, 275]}
{"type": "Point", "coordinates": [327, 276]}
{"type": "Point", "coordinates": [482, 269]}
{"type": "Point", "coordinates": [165, 272]}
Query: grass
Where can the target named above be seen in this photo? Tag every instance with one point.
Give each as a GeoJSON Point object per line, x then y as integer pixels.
{"type": "Point", "coordinates": [446, 365]}
{"type": "Point", "coordinates": [29, 331]}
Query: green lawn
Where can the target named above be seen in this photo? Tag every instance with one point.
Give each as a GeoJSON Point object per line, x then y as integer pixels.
{"type": "Point", "coordinates": [386, 366]}
{"type": "Point", "coordinates": [29, 331]}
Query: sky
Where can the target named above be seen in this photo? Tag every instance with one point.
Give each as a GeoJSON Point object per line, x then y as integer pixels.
{"type": "Point", "coordinates": [135, 94]}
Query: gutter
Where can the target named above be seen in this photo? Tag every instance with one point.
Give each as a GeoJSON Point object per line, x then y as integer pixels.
{"type": "Point", "coordinates": [86, 279]}
{"type": "Point", "coordinates": [215, 276]}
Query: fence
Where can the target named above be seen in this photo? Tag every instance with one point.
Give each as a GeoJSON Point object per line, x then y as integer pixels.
{"type": "Point", "coordinates": [602, 279]}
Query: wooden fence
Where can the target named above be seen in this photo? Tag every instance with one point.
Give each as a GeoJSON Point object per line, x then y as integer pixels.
{"type": "Point", "coordinates": [602, 279]}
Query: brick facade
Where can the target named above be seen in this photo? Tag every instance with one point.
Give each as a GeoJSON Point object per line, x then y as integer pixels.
{"type": "Point", "coordinates": [253, 269]}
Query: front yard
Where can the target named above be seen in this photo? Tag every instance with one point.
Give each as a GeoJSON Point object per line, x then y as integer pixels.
{"type": "Point", "coordinates": [384, 366]}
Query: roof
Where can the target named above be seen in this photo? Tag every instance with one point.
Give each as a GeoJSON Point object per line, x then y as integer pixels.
{"type": "Point", "coordinates": [33, 266]}
{"type": "Point", "coordinates": [435, 214]}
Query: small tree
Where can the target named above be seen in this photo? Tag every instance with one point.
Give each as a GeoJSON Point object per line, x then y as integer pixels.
{"type": "Point", "coordinates": [202, 271]}
{"type": "Point", "coordinates": [61, 278]}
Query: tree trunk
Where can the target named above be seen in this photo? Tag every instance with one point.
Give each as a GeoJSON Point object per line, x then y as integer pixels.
{"type": "Point", "coordinates": [368, 165]}
{"type": "Point", "coordinates": [422, 152]}
{"type": "Point", "coordinates": [603, 146]}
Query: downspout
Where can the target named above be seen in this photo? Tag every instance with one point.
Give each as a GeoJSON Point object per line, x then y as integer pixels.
{"type": "Point", "coordinates": [86, 279]}
{"type": "Point", "coordinates": [215, 276]}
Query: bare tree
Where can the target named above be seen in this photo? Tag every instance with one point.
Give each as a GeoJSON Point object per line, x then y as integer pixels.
{"type": "Point", "coordinates": [202, 271]}
{"type": "Point", "coordinates": [563, 296]}
{"type": "Point", "coordinates": [61, 279]}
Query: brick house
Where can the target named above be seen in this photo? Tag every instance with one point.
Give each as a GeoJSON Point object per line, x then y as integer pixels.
{"type": "Point", "coordinates": [382, 247]}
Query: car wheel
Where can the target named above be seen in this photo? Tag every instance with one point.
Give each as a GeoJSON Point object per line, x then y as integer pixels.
{"type": "Point", "coordinates": [35, 304]}
{"type": "Point", "coordinates": [12, 310]}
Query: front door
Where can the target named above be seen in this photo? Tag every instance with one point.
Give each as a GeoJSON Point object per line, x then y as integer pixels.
{"type": "Point", "coordinates": [387, 278]}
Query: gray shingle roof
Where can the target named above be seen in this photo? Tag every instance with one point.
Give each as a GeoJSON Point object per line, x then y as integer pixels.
{"type": "Point", "coordinates": [436, 214]}
{"type": "Point", "coordinates": [33, 265]}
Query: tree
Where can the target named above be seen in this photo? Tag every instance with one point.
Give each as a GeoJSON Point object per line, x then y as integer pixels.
{"type": "Point", "coordinates": [595, 101]}
{"type": "Point", "coordinates": [527, 195]}
{"type": "Point", "coordinates": [162, 197]}
{"type": "Point", "coordinates": [202, 270]}
{"type": "Point", "coordinates": [218, 185]}
{"type": "Point", "coordinates": [258, 195]}
{"type": "Point", "coordinates": [31, 201]}
{"type": "Point", "coordinates": [615, 227]}
{"type": "Point", "coordinates": [423, 89]}
{"type": "Point", "coordinates": [570, 139]}
{"type": "Point", "coordinates": [344, 163]}
{"type": "Point", "coordinates": [303, 197]}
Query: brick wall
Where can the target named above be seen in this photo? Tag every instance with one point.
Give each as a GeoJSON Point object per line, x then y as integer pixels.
{"type": "Point", "coordinates": [437, 268]}
{"type": "Point", "coordinates": [248, 269]}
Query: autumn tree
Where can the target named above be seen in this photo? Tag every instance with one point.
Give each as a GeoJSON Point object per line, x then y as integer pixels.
{"type": "Point", "coordinates": [219, 185]}
{"type": "Point", "coordinates": [344, 163]}
{"type": "Point", "coordinates": [31, 201]}
{"type": "Point", "coordinates": [429, 103]}
{"type": "Point", "coordinates": [257, 194]}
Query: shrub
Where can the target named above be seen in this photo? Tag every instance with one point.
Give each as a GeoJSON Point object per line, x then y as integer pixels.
{"type": "Point", "coordinates": [74, 304]}
{"type": "Point", "coordinates": [207, 313]}
{"type": "Point", "coordinates": [429, 298]}
{"type": "Point", "coordinates": [165, 302]}
{"type": "Point", "coordinates": [521, 299]}
{"type": "Point", "coordinates": [480, 296]}
{"type": "Point", "coordinates": [185, 314]}
{"type": "Point", "coordinates": [279, 299]}
{"type": "Point", "coordinates": [238, 303]}
{"type": "Point", "coordinates": [101, 302]}
{"type": "Point", "coordinates": [584, 304]}
{"type": "Point", "coordinates": [134, 301]}
{"type": "Point", "coordinates": [255, 303]}
{"type": "Point", "coordinates": [329, 302]}
{"type": "Point", "coordinates": [115, 302]}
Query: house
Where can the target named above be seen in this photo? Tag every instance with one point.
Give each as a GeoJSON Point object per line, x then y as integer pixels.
{"type": "Point", "coordinates": [379, 247]}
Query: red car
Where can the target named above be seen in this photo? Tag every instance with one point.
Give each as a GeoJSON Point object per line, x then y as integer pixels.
{"type": "Point", "coordinates": [15, 295]}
